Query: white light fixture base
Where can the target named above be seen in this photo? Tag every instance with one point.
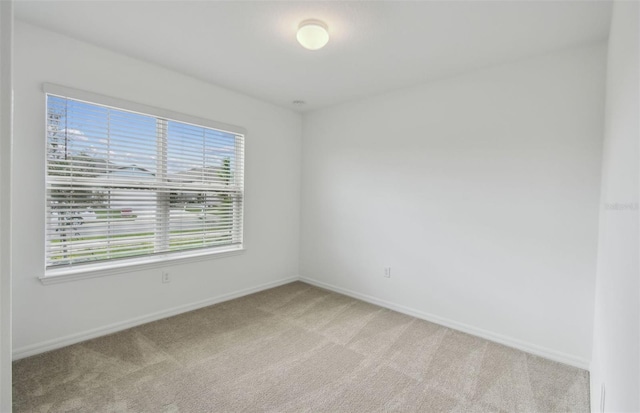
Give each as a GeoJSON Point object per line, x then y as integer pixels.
{"type": "Point", "coordinates": [313, 34]}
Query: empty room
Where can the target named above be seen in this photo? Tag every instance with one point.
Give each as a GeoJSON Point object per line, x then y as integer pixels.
{"type": "Point", "coordinates": [319, 206]}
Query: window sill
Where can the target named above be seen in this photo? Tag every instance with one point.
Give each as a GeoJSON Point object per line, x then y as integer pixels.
{"type": "Point", "coordinates": [101, 270]}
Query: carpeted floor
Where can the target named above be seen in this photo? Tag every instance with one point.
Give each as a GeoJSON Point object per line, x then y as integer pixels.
{"type": "Point", "coordinates": [294, 348]}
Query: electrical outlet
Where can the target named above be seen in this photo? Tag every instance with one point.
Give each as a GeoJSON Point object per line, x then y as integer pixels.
{"type": "Point", "coordinates": [387, 272]}
{"type": "Point", "coordinates": [165, 277]}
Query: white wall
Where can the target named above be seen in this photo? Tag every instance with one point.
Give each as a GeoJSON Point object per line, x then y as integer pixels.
{"type": "Point", "coordinates": [6, 46]}
{"type": "Point", "coordinates": [52, 315]}
{"type": "Point", "coordinates": [480, 191]}
{"type": "Point", "coordinates": [616, 361]}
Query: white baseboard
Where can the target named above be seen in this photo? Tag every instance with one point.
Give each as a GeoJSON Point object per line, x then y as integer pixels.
{"type": "Point", "coordinates": [56, 343]}
{"type": "Point", "coordinates": [53, 344]}
{"type": "Point", "coordinates": [489, 335]}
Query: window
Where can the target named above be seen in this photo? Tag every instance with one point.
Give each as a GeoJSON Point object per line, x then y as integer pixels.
{"type": "Point", "coordinates": [130, 183]}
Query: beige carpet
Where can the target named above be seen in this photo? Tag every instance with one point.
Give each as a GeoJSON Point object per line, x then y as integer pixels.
{"type": "Point", "coordinates": [294, 348]}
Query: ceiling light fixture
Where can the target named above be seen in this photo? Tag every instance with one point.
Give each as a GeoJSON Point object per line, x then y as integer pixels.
{"type": "Point", "coordinates": [313, 34]}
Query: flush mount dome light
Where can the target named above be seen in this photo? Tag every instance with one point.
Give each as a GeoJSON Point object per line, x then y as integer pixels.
{"type": "Point", "coordinates": [312, 34]}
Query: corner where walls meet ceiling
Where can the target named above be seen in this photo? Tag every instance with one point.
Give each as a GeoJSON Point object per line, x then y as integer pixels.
{"type": "Point", "coordinates": [374, 47]}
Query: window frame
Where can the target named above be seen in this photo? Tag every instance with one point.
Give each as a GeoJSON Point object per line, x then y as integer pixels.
{"type": "Point", "coordinates": [136, 263]}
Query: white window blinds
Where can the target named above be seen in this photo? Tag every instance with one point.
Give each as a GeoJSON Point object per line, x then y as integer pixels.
{"type": "Point", "coordinates": [123, 184]}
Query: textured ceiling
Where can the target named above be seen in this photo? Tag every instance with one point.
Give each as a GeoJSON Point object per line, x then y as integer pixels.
{"type": "Point", "coordinates": [375, 47]}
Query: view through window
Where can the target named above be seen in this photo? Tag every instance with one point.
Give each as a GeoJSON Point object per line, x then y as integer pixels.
{"type": "Point", "coordinates": [123, 184]}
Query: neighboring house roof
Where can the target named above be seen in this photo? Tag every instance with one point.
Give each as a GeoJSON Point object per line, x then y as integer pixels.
{"type": "Point", "coordinates": [130, 171]}
{"type": "Point", "coordinates": [131, 168]}
{"type": "Point", "coordinates": [196, 174]}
